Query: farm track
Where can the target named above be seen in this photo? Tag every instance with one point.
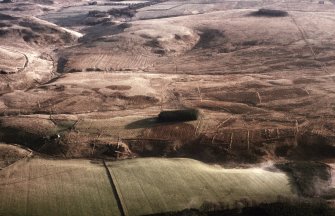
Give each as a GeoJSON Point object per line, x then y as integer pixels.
{"type": "Point", "coordinates": [25, 64]}
{"type": "Point", "coordinates": [304, 37]}
{"type": "Point", "coordinates": [25, 56]}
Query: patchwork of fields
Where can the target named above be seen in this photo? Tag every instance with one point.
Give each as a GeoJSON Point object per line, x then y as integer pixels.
{"type": "Point", "coordinates": [81, 187]}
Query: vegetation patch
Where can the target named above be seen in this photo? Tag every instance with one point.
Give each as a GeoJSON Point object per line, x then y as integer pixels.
{"type": "Point", "coordinates": [314, 146]}
{"type": "Point", "coordinates": [41, 135]}
{"type": "Point", "coordinates": [96, 13]}
{"type": "Point", "coordinates": [119, 87]}
{"type": "Point", "coordinates": [311, 178]}
{"type": "Point", "coordinates": [289, 208]}
{"type": "Point", "coordinates": [178, 115]}
{"type": "Point", "coordinates": [6, 17]}
{"type": "Point", "coordinates": [62, 61]}
{"type": "Point", "coordinates": [64, 125]}
{"type": "Point", "coordinates": [269, 13]}
{"type": "Point", "coordinates": [210, 38]}
{"type": "Point", "coordinates": [9, 154]}
{"type": "Point", "coordinates": [33, 140]}
{"type": "Point", "coordinates": [122, 12]}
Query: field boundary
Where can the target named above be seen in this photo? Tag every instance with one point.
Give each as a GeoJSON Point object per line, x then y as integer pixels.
{"type": "Point", "coordinates": [31, 153]}
{"type": "Point", "coordinates": [117, 193]}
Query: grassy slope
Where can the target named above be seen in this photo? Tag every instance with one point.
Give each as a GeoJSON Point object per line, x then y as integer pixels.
{"type": "Point", "coordinates": [154, 185]}
{"type": "Point", "coordinates": [10, 154]}
{"type": "Point", "coordinates": [50, 187]}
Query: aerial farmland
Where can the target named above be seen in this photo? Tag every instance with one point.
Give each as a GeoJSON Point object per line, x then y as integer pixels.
{"type": "Point", "coordinates": [167, 107]}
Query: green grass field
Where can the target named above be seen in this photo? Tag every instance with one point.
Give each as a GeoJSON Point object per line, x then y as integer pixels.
{"type": "Point", "coordinates": [56, 187]}
{"type": "Point", "coordinates": [152, 185]}
{"type": "Point", "coordinates": [145, 186]}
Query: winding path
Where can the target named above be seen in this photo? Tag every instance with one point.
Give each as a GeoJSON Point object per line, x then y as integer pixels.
{"type": "Point", "coordinates": [15, 51]}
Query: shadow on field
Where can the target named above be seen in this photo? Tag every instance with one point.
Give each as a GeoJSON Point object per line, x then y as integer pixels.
{"type": "Point", "coordinates": [281, 208]}
{"type": "Point", "coordinates": [142, 123]}
{"type": "Point", "coordinates": [149, 123]}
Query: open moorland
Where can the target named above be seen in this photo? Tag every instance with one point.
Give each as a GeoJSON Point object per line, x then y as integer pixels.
{"type": "Point", "coordinates": [86, 90]}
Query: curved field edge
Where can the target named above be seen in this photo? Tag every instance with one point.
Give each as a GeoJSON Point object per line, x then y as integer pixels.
{"type": "Point", "coordinates": [36, 186]}
{"type": "Point", "coordinates": [10, 154]}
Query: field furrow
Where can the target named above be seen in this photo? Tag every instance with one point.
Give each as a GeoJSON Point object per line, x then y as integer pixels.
{"type": "Point", "coordinates": [54, 187]}
{"type": "Point", "coordinates": [192, 184]}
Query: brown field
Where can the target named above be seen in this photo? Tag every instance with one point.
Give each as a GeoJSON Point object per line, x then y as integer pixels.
{"type": "Point", "coordinates": [88, 81]}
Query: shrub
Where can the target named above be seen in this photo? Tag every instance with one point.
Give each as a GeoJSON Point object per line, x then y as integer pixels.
{"type": "Point", "coordinates": [93, 3]}
{"type": "Point", "coordinates": [7, 1]}
{"type": "Point", "coordinates": [310, 178]}
{"type": "Point", "coordinates": [270, 13]}
{"type": "Point", "coordinates": [97, 13]}
{"type": "Point", "coordinates": [178, 115]}
{"type": "Point", "coordinates": [296, 208]}
{"type": "Point", "coordinates": [122, 12]}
